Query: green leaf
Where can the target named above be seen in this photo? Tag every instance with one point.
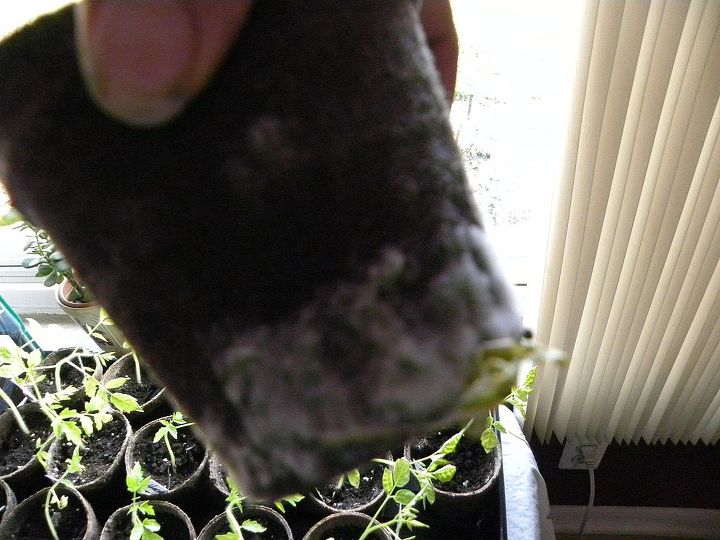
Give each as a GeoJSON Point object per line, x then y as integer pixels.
{"type": "Point", "coordinates": [401, 472]}
{"type": "Point", "coordinates": [145, 507]}
{"type": "Point", "coordinates": [354, 478]}
{"type": "Point", "coordinates": [151, 525]}
{"type": "Point", "coordinates": [252, 526]}
{"type": "Point", "coordinates": [489, 440]}
{"type": "Point", "coordinates": [31, 262]}
{"type": "Point", "coordinates": [113, 384]}
{"type": "Point", "coordinates": [430, 494]}
{"type": "Point", "coordinates": [159, 434]}
{"type": "Point", "coordinates": [52, 279]}
{"type": "Point", "coordinates": [445, 473]}
{"type": "Point", "coordinates": [72, 432]}
{"type": "Point", "coordinates": [387, 481]}
{"type": "Point", "coordinates": [449, 446]}
{"type": "Point", "coordinates": [403, 496]}
{"type": "Point", "coordinates": [44, 270]}
{"type": "Point", "coordinates": [87, 425]}
{"type": "Point", "coordinates": [124, 402]}
{"type": "Point", "coordinates": [10, 371]}
{"type": "Point", "coordinates": [292, 500]}
{"type": "Point", "coordinates": [61, 265]}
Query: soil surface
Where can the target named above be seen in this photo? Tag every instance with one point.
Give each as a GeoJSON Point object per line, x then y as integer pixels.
{"type": "Point", "coordinates": [349, 532]}
{"type": "Point", "coordinates": [70, 523]}
{"type": "Point", "coordinates": [474, 466]}
{"type": "Point", "coordinates": [188, 450]}
{"type": "Point", "coordinates": [143, 392]}
{"type": "Point", "coordinates": [18, 448]}
{"type": "Point", "coordinates": [349, 497]}
{"type": "Point", "coordinates": [102, 448]}
{"type": "Point", "coordinates": [273, 529]}
{"type": "Point", "coordinates": [171, 526]}
{"type": "Point", "coordinates": [68, 374]}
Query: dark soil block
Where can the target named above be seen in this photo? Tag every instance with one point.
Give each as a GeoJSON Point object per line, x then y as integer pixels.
{"type": "Point", "coordinates": [174, 523]}
{"type": "Point", "coordinates": [75, 522]}
{"type": "Point", "coordinates": [347, 322]}
{"type": "Point", "coordinates": [276, 528]}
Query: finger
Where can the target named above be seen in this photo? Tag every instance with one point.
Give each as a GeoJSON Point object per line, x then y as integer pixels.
{"type": "Point", "coordinates": [437, 20]}
{"type": "Point", "coordinates": [143, 61]}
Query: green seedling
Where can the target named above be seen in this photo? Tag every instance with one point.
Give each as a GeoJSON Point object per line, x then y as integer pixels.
{"type": "Point", "coordinates": [141, 512]}
{"type": "Point", "coordinates": [235, 502]}
{"type": "Point", "coordinates": [292, 500]}
{"type": "Point", "coordinates": [50, 262]}
{"type": "Point", "coordinates": [168, 429]}
{"type": "Point", "coordinates": [74, 466]}
{"type": "Point", "coordinates": [427, 472]}
{"type": "Point", "coordinates": [518, 398]}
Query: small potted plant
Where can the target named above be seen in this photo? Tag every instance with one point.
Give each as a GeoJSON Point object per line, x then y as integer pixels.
{"type": "Point", "coordinates": [171, 453]}
{"type": "Point", "coordinates": [73, 297]}
{"type": "Point", "coordinates": [358, 490]}
{"type": "Point", "coordinates": [146, 520]}
{"type": "Point", "coordinates": [246, 522]}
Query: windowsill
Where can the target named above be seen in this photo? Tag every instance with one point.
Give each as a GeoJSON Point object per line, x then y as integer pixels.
{"type": "Point", "coordinates": [29, 297]}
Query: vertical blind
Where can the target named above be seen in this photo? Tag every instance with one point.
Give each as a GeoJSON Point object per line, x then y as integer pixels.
{"type": "Point", "coordinates": [632, 279]}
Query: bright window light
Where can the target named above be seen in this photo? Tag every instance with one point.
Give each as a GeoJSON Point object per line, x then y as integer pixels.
{"type": "Point", "coordinates": [515, 81]}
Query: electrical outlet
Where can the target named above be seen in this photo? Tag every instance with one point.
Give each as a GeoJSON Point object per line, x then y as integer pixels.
{"type": "Point", "coordinates": [576, 454]}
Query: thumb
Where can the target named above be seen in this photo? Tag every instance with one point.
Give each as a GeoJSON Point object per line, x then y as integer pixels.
{"type": "Point", "coordinates": [143, 61]}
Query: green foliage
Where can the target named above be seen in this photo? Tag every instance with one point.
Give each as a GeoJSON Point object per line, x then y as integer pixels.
{"type": "Point", "coordinates": [234, 503]}
{"type": "Point", "coordinates": [50, 263]}
{"type": "Point", "coordinates": [518, 398]}
{"type": "Point", "coordinates": [73, 466]}
{"type": "Point", "coordinates": [169, 428]}
{"type": "Point", "coordinates": [353, 478]}
{"type": "Point", "coordinates": [143, 527]}
{"type": "Point", "coordinates": [292, 500]}
{"type": "Point", "coordinates": [24, 369]}
{"type": "Point", "coordinates": [397, 475]}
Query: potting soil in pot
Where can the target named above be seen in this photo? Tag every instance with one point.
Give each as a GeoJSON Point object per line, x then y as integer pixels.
{"type": "Point", "coordinates": [97, 455]}
{"type": "Point", "coordinates": [347, 497]}
{"type": "Point", "coordinates": [189, 453]}
{"type": "Point", "coordinates": [171, 526]}
{"type": "Point", "coordinates": [273, 530]}
{"type": "Point", "coordinates": [348, 532]}
{"type": "Point", "coordinates": [475, 467]}
{"type": "Point", "coordinates": [70, 523]}
{"type": "Point", "coordinates": [143, 391]}
{"type": "Point", "coordinates": [18, 448]}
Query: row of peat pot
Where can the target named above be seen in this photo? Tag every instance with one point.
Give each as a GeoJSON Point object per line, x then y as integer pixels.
{"type": "Point", "coordinates": [190, 494]}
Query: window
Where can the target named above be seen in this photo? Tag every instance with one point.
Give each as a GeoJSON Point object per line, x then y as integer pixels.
{"type": "Point", "coordinates": [18, 285]}
{"type": "Point", "coordinates": [515, 76]}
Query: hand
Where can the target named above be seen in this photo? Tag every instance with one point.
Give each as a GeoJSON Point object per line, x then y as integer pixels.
{"type": "Point", "coordinates": [189, 39]}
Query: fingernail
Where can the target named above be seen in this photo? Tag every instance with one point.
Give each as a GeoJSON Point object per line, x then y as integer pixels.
{"type": "Point", "coordinates": [137, 57]}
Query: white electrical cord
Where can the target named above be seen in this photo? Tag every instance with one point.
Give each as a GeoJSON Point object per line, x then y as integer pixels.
{"type": "Point", "coordinates": [589, 464]}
